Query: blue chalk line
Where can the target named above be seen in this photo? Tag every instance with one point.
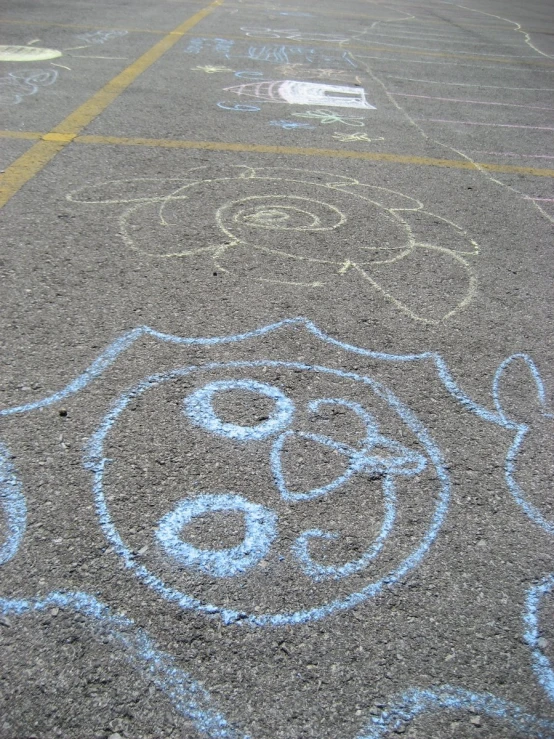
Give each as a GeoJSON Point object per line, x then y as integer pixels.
{"type": "Point", "coordinates": [189, 698]}
{"type": "Point", "coordinates": [497, 416]}
{"type": "Point", "coordinates": [541, 664]}
{"type": "Point", "coordinates": [13, 503]}
{"type": "Point", "coordinates": [416, 702]}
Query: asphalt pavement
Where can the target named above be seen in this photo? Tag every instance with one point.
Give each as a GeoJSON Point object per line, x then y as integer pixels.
{"type": "Point", "coordinates": [276, 369]}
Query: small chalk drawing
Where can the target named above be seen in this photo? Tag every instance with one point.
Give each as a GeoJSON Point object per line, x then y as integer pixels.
{"type": "Point", "coordinates": [325, 117]}
{"type": "Point", "coordinates": [13, 505]}
{"type": "Point", "coordinates": [27, 54]}
{"type": "Point", "coordinates": [295, 92]}
{"type": "Point", "coordinates": [376, 455]}
{"type": "Point", "coordinates": [289, 125]}
{"type": "Point", "coordinates": [17, 85]}
{"type": "Point", "coordinates": [347, 138]}
{"type": "Point", "coordinates": [321, 208]}
{"type": "Point", "coordinates": [272, 53]}
{"type": "Point", "coordinates": [100, 37]}
{"type": "Point", "coordinates": [188, 697]}
{"type": "Point", "coordinates": [293, 34]}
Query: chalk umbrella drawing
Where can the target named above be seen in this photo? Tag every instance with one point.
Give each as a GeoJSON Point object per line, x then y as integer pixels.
{"type": "Point", "coordinates": [299, 227]}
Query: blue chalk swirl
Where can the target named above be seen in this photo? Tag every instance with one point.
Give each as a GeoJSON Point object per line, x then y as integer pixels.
{"type": "Point", "coordinates": [13, 503]}
{"type": "Point", "coordinates": [261, 531]}
{"type": "Point", "coordinates": [199, 409]}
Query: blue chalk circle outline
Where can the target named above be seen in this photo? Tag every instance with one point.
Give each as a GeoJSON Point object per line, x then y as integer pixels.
{"type": "Point", "coordinates": [13, 503]}
{"type": "Point", "coordinates": [96, 461]}
{"type": "Point", "coordinates": [198, 407]}
{"type": "Point", "coordinates": [261, 531]}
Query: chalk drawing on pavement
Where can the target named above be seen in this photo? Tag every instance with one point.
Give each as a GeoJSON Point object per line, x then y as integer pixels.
{"type": "Point", "coordinates": [326, 117]}
{"type": "Point", "coordinates": [189, 698]}
{"type": "Point", "coordinates": [249, 233]}
{"type": "Point", "coordinates": [347, 138]}
{"type": "Point", "coordinates": [27, 53]}
{"type": "Point", "coordinates": [375, 466]}
{"type": "Point", "coordinates": [272, 53]}
{"type": "Point", "coordinates": [15, 86]}
{"type": "Point", "coordinates": [14, 507]}
{"type": "Point", "coordinates": [295, 92]}
{"type": "Point", "coordinates": [201, 405]}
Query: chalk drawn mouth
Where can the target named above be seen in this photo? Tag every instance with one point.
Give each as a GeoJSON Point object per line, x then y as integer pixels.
{"type": "Point", "coordinates": [242, 557]}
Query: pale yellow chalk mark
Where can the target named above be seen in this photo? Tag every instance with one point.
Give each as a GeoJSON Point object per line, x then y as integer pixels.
{"type": "Point", "coordinates": [283, 213]}
{"type": "Point", "coordinates": [60, 65]}
{"type": "Point", "coordinates": [33, 161]}
{"type": "Point", "coordinates": [26, 53]}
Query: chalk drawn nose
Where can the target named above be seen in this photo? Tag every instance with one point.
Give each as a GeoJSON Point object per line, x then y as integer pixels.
{"type": "Point", "coordinates": [261, 531]}
{"type": "Point", "coordinates": [200, 411]}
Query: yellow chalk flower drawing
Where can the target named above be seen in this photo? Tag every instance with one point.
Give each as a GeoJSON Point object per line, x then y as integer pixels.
{"type": "Point", "coordinates": [330, 116]}
{"type": "Point", "coordinates": [299, 227]}
{"type": "Point", "coordinates": [346, 137]}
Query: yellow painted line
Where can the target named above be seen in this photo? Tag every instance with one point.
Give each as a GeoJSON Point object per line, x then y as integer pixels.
{"type": "Point", "coordinates": [20, 135]}
{"type": "Point", "coordinates": [32, 162]}
{"type": "Point", "coordinates": [312, 152]}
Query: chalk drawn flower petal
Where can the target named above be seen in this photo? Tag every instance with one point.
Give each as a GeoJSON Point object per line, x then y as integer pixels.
{"type": "Point", "coordinates": [12, 501]}
{"type": "Point", "coordinates": [525, 411]}
{"type": "Point", "coordinates": [354, 465]}
{"type": "Point", "coordinates": [26, 53]}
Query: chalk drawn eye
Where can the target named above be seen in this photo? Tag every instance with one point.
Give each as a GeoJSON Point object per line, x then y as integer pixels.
{"type": "Point", "coordinates": [261, 531]}
{"type": "Point", "coordinates": [199, 408]}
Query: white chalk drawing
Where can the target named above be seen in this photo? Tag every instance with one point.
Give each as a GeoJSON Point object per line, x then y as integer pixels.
{"type": "Point", "coordinates": [100, 37]}
{"type": "Point", "coordinates": [211, 69]}
{"type": "Point", "coordinates": [304, 93]}
{"type": "Point", "coordinates": [293, 34]}
{"type": "Point", "coordinates": [288, 125]}
{"type": "Point", "coordinates": [15, 86]}
{"type": "Point", "coordinates": [350, 137]}
{"type": "Point", "coordinates": [376, 457]}
{"type": "Point", "coordinates": [251, 232]}
{"type": "Point", "coordinates": [26, 53]}
{"type": "Point", "coordinates": [272, 53]}
{"type": "Point", "coordinates": [326, 117]}
{"type": "Point", "coordinates": [307, 72]}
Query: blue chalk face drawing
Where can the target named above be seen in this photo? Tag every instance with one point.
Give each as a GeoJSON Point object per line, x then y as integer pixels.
{"type": "Point", "coordinates": [288, 458]}
{"type": "Point", "coordinates": [265, 422]}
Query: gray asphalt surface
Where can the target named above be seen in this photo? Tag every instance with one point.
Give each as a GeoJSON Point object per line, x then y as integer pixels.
{"type": "Point", "coordinates": [276, 369]}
